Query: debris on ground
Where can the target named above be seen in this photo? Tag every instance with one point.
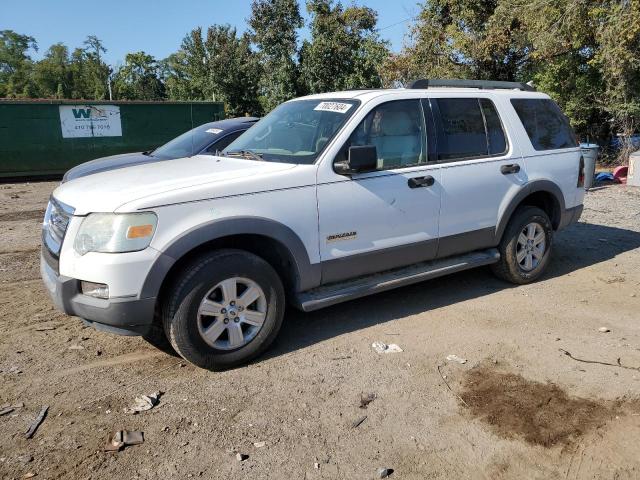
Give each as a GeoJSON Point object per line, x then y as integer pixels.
{"type": "Point", "coordinates": [455, 358]}
{"type": "Point", "coordinates": [381, 347]}
{"type": "Point", "coordinates": [241, 457]}
{"type": "Point", "coordinates": [316, 465]}
{"type": "Point", "coordinates": [76, 347]}
{"type": "Point", "coordinates": [259, 444]}
{"type": "Point", "coordinates": [45, 328]}
{"type": "Point", "coordinates": [604, 330]}
{"type": "Point", "coordinates": [384, 472]}
{"type": "Point", "coordinates": [444, 379]}
{"type": "Point", "coordinates": [29, 475]}
{"type": "Point", "coordinates": [367, 399]}
{"type": "Point", "coordinates": [358, 422]}
{"type": "Point", "coordinates": [24, 459]}
{"type": "Point", "coordinates": [36, 423]}
{"type": "Point", "coordinates": [142, 403]}
{"type": "Point", "coordinates": [617, 364]}
{"type": "Point", "coordinates": [123, 438]}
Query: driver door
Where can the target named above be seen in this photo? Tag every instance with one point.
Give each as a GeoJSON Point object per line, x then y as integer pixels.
{"type": "Point", "coordinates": [387, 218]}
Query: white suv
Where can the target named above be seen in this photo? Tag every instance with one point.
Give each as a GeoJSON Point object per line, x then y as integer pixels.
{"type": "Point", "coordinates": [330, 197]}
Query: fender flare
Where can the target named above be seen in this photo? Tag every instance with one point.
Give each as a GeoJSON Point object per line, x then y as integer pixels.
{"type": "Point", "coordinates": [535, 186]}
{"type": "Point", "coordinates": [307, 274]}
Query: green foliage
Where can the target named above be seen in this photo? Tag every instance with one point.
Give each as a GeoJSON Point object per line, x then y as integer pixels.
{"type": "Point", "coordinates": [618, 58]}
{"type": "Point", "coordinates": [53, 75]}
{"type": "Point", "coordinates": [345, 51]}
{"type": "Point", "coordinates": [220, 67]}
{"type": "Point", "coordinates": [15, 64]}
{"type": "Point", "coordinates": [584, 53]}
{"type": "Point", "coordinates": [138, 78]}
{"type": "Point", "coordinates": [234, 70]}
{"type": "Point", "coordinates": [275, 24]}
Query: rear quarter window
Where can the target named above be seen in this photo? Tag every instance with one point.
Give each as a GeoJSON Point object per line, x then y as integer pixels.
{"type": "Point", "coordinates": [547, 127]}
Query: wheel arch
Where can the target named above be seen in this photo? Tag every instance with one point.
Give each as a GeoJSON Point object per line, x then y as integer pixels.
{"type": "Point", "coordinates": [543, 194]}
{"type": "Point", "coordinates": [274, 242]}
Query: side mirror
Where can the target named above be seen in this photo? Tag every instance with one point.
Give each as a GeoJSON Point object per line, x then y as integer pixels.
{"type": "Point", "coordinates": [360, 159]}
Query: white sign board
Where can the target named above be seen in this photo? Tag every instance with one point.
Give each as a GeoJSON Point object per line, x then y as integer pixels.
{"type": "Point", "coordinates": [90, 121]}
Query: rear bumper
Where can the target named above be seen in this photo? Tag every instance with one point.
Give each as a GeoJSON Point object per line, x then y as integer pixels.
{"type": "Point", "coordinates": [123, 316]}
{"type": "Point", "coordinates": [570, 215]}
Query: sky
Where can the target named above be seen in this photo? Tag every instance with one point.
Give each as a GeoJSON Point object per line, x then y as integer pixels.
{"type": "Point", "coordinates": [157, 26]}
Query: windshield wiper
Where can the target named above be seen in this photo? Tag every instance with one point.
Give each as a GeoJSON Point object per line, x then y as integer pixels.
{"type": "Point", "coordinates": [246, 154]}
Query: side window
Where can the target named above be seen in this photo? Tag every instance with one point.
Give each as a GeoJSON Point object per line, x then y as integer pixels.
{"type": "Point", "coordinates": [224, 142]}
{"type": "Point", "coordinates": [546, 125]}
{"type": "Point", "coordinates": [497, 143]}
{"type": "Point", "coordinates": [397, 131]}
{"type": "Point", "coordinates": [468, 128]}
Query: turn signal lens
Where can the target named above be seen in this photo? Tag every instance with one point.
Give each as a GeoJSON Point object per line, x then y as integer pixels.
{"type": "Point", "coordinates": [139, 231]}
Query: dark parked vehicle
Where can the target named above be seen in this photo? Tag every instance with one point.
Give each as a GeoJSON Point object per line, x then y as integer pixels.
{"type": "Point", "coordinates": [208, 138]}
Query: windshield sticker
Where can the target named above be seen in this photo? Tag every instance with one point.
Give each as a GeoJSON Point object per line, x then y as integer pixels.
{"type": "Point", "coordinates": [337, 107]}
{"type": "Point", "coordinates": [215, 131]}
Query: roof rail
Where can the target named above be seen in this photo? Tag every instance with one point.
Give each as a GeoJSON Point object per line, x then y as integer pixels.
{"type": "Point", "coordinates": [481, 84]}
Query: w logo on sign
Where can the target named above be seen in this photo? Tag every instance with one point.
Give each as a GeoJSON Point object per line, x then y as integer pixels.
{"type": "Point", "coordinates": [81, 112]}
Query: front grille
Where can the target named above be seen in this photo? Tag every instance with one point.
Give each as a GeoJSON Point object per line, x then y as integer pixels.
{"type": "Point", "coordinates": [54, 227]}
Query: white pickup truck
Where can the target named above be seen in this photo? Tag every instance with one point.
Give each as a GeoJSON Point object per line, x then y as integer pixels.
{"type": "Point", "coordinates": [330, 197]}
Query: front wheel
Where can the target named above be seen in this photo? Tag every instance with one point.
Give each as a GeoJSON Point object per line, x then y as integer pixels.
{"type": "Point", "coordinates": [225, 309]}
{"type": "Point", "coordinates": [525, 247]}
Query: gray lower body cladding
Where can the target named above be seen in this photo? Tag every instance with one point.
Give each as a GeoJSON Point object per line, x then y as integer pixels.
{"type": "Point", "coordinates": [124, 316]}
{"type": "Point", "coordinates": [343, 279]}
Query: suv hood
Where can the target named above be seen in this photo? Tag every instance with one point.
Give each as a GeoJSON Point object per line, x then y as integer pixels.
{"type": "Point", "coordinates": [166, 182]}
{"type": "Point", "coordinates": [107, 163]}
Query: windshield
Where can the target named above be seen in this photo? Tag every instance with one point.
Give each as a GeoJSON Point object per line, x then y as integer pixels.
{"type": "Point", "coordinates": [294, 132]}
{"type": "Point", "coordinates": [189, 143]}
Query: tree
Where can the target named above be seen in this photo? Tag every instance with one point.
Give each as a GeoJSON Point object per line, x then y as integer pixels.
{"type": "Point", "coordinates": [275, 25]}
{"type": "Point", "coordinates": [234, 70]}
{"type": "Point", "coordinates": [618, 58]}
{"type": "Point", "coordinates": [185, 72]}
{"type": "Point", "coordinates": [15, 63]}
{"type": "Point", "coordinates": [462, 39]}
{"type": "Point", "coordinates": [138, 78]}
{"type": "Point", "coordinates": [344, 51]}
{"type": "Point", "coordinates": [53, 75]}
{"type": "Point", "coordinates": [221, 67]}
{"type": "Point", "coordinates": [96, 71]}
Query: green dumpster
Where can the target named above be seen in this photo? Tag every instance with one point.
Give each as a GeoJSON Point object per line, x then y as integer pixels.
{"type": "Point", "coordinates": [47, 137]}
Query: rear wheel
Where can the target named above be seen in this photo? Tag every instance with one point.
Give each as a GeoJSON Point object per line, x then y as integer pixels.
{"type": "Point", "coordinates": [224, 309]}
{"type": "Point", "coordinates": [525, 248]}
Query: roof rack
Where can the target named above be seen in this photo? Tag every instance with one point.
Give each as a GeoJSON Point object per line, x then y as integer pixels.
{"type": "Point", "coordinates": [481, 84]}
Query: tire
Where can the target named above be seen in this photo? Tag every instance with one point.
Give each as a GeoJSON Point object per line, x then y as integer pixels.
{"type": "Point", "coordinates": [510, 268]}
{"type": "Point", "coordinates": [156, 337]}
{"type": "Point", "coordinates": [206, 285]}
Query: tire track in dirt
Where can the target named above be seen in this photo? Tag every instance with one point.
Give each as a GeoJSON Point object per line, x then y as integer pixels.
{"type": "Point", "coordinates": [22, 215]}
{"type": "Point", "coordinates": [111, 362]}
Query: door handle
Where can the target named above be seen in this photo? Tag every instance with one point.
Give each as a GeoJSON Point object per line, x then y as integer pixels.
{"type": "Point", "coordinates": [508, 169]}
{"type": "Point", "coordinates": [417, 182]}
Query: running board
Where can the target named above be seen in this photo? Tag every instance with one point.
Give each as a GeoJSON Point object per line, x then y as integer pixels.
{"type": "Point", "coordinates": [362, 286]}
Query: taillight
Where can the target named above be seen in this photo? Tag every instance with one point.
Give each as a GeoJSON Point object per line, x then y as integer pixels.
{"type": "Point", "coordinates": [581, 172]}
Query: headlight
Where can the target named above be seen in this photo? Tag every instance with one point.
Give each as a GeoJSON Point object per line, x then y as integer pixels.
{"type": "Point", "coordinates": [115, 232]}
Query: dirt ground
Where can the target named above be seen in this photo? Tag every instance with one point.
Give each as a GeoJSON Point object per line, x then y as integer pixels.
{"type": "Point", "coordinates": [520, 407]}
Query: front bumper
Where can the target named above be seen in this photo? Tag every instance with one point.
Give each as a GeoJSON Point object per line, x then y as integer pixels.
{"type": "Point", "coordinates": [123, 316]}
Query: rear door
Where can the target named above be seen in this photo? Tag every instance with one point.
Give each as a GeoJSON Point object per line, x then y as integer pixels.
{"type": "Point", "coordinates": [481, 169]}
